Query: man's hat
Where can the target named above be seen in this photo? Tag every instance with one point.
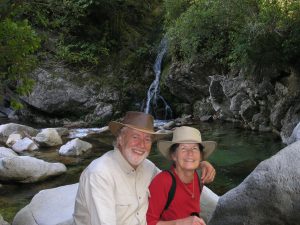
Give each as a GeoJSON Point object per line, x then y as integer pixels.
{"type": "Point", "coordinates": [186, 134]}
{"type": "Point", "coordinates": [136, 120]}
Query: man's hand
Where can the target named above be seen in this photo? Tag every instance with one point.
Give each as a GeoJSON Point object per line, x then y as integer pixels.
{"type": "Point", "coordinates": [208, 172]}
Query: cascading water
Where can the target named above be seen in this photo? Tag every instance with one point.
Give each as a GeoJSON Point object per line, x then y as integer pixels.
{"type": "Point", "coordinates": [153, 95]}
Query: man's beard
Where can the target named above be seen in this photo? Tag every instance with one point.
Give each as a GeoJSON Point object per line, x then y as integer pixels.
{"type": "Point", "coordinates": [133, 158]}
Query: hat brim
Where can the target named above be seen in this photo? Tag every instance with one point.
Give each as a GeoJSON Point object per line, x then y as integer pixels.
{"type": "Point", "coordinates": [115, 127]}
{"type": "Point", "coordinates": [164, 147]}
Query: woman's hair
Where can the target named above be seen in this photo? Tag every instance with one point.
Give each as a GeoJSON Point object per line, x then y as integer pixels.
{"type": "Point", "coordinates": [174, 147]}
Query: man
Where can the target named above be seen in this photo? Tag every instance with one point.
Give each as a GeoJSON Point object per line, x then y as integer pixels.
{"type": "Point", "coordinates": [113, 189]}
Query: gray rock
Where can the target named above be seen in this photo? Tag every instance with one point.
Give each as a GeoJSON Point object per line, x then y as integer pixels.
{"type": "Point", "coordinates": [2, 221]}
{"type": "Point", "coordinates": [27, 169]}
{"type": "Point", "coordinates": [269, 195]}
{"type": "Point", "coordinates": [13, 138]}
{"type": "Point", "coordinates": [208, 203]}
{"type": "Point", "coordinates": [75, 147]}
{"type": "Point", "coordinates": [295, 135]}
{"type": "Point", "coordinates": [236, 102]}
{"type": "Point", "coordinates": [45, 209]}
{"type": "Point", "coordinates": [49, 207]}
{"type": "Point", "coordinates": [248, 110]}
{"type": "Point", "coordinates": [188, 82]}
{"type": "Point", "coordinates": [7, 152]}
{"type": "Point", "coordinates": [25, 144]}
{"type": "Point", "coordinates": [9, 128]}
{"type": "Point", "coordinates": [60, 91]}
{"type": "Point", "coordinates": [290, 121]}
{"type": "Point", "coordinates": [48, 137]}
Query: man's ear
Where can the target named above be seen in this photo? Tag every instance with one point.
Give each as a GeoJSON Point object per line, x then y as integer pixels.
{"type": "Point", "coordinates": [119, 140]}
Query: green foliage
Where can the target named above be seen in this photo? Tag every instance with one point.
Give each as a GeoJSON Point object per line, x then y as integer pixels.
{"type": "Point", "coordinates": [18, 42]}
{"type": "Point", "coordinates": [81, 53]}
{"type": "Point", "coordinates": [90, 31]}
{"type": "Point", "coordinates": [205, 28]}
{"type": "Point", "coordinates": [271, 38]}
{"type": "Point", "coordinates": [174, 8]}
{"type": "Point", "coordinates": [253, 34]}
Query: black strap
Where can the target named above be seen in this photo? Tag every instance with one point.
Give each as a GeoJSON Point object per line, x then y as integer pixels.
{"type": "Point", "coordinates": [173, 188]}
{"type": "Point", "coordinates": [171, 191]}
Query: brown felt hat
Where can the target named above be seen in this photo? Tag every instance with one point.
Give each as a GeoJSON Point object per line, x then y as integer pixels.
{"type": "Point", "coordinates": [136, 120]}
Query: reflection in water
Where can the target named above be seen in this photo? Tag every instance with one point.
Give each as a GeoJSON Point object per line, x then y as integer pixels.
{"type": "Point", "coordinates": [237, 154]}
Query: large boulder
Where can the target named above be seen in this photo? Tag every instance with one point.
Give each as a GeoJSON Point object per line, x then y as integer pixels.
{"type": "Point", "coordinates": [10, 128]}
{"type": "Point", "coordinates": [27, 169]}
{"type": "Point", "coordinates": [269, 195]}
{"type": "Point", "coordinates": [208, 203]}
{"type": "Point", "coordinates": [46, 209]}
{"type": "Point", "coordinates": [49, 207]}
{"type": "Point", "coordinates": [60, 92]}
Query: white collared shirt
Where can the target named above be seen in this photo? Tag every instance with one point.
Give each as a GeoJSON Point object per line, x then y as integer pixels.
{"type": "Point", "coordinates": [111, 192]}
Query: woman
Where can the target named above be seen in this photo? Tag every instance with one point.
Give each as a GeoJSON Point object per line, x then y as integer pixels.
{"type": "Point", "coordinates": [186, 150]}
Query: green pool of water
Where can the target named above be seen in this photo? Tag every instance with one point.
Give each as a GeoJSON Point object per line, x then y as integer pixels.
{"type": "Point", "coordinates": [238, 153]}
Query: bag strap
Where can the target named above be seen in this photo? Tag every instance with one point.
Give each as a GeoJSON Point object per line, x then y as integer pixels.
{"type": "Point", "coordinates": [171, 191]}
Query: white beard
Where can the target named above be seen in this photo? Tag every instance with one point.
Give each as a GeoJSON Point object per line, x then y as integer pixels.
{"type": "Point", "coordinates": [133, 158]}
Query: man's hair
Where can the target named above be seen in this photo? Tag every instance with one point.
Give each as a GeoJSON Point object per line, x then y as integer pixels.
{"type": "Point", "coordinates": [116, 140]}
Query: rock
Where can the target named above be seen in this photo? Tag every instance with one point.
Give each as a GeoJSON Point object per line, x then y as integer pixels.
{"type": "Point", "coordinates": [24, 144]}
{"type": "Point", "coordinates": [208, 203]}
{"type": "Point", "coordinates": [60, 91]}
{"type": "Point", "coordinates": [279, 111]}
{"type": "Point", "coordinates": [248, 110]}
{"type": "Point", "coordinates": [27, 169]}
{"type": "Point", "coordinates": [295, 135]}
{"type": "Point", "coordinates": [188, 82]}
{"type": "Point", "coordinates": [7, 152]}
{"type": "Point", "coordinates": [8, 129]}
{"type": "Point", "coordinates": [2, 221]}
{"type": "Point", "coordinates": [269, 195]}
{"type": "Point", "coordinates": [45, 209]}
{"type": "Point", "coordinates": [169, 125]}
{"type": "Point", "coordinates": [75, 147]}
{"type": "Point", "coordinates": [206, 118]}
{"type": "Point", "coordinates": [62, 131]}
{"type": "Point", "coordinates": [48, 137]}
{"type": "Point", "coordinates": [203, 109]}
{"type": "Point", "coordinates": [49, 207]}
{"type": "Point", "coordinates": [13, 138]}
{"type": "Point", "coordinates": [290, 121]}
{"type": "Point", "coordinates": [236, 102]}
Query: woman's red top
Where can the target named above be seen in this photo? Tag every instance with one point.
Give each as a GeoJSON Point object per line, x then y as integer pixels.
{"type": "Point", "coordinates": [182, 204]}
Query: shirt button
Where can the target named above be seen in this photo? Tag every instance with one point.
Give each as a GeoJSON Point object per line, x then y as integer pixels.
{"type": "Point", "coordinates": [139, 197]}
{"type": "Point", "coordinates": [137, 213]}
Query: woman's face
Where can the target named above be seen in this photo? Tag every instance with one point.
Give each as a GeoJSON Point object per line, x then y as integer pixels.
{"type": "Point", "coordinates": [187, 156]}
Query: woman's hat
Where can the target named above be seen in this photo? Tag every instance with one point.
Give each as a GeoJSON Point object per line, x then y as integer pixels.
{"type": "Point", "coordinates": [136, 120]}
{"type": "Point", "coordinates": [186, 135]}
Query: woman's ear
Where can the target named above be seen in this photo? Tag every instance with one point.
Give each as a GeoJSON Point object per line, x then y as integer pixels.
{"type": "Point", "coordinates": [173, 156]}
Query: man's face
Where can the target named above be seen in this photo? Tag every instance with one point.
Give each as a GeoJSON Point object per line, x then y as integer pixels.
{"type": "Point", "coordinates": [134, 145]}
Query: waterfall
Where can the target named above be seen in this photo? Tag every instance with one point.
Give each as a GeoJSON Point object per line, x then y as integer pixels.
{"type": "Point", "coordinates": [153, 95]}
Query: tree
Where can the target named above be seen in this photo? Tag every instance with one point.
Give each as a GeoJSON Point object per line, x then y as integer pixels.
{"type": "Point", "coordinates": [18, 43]}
